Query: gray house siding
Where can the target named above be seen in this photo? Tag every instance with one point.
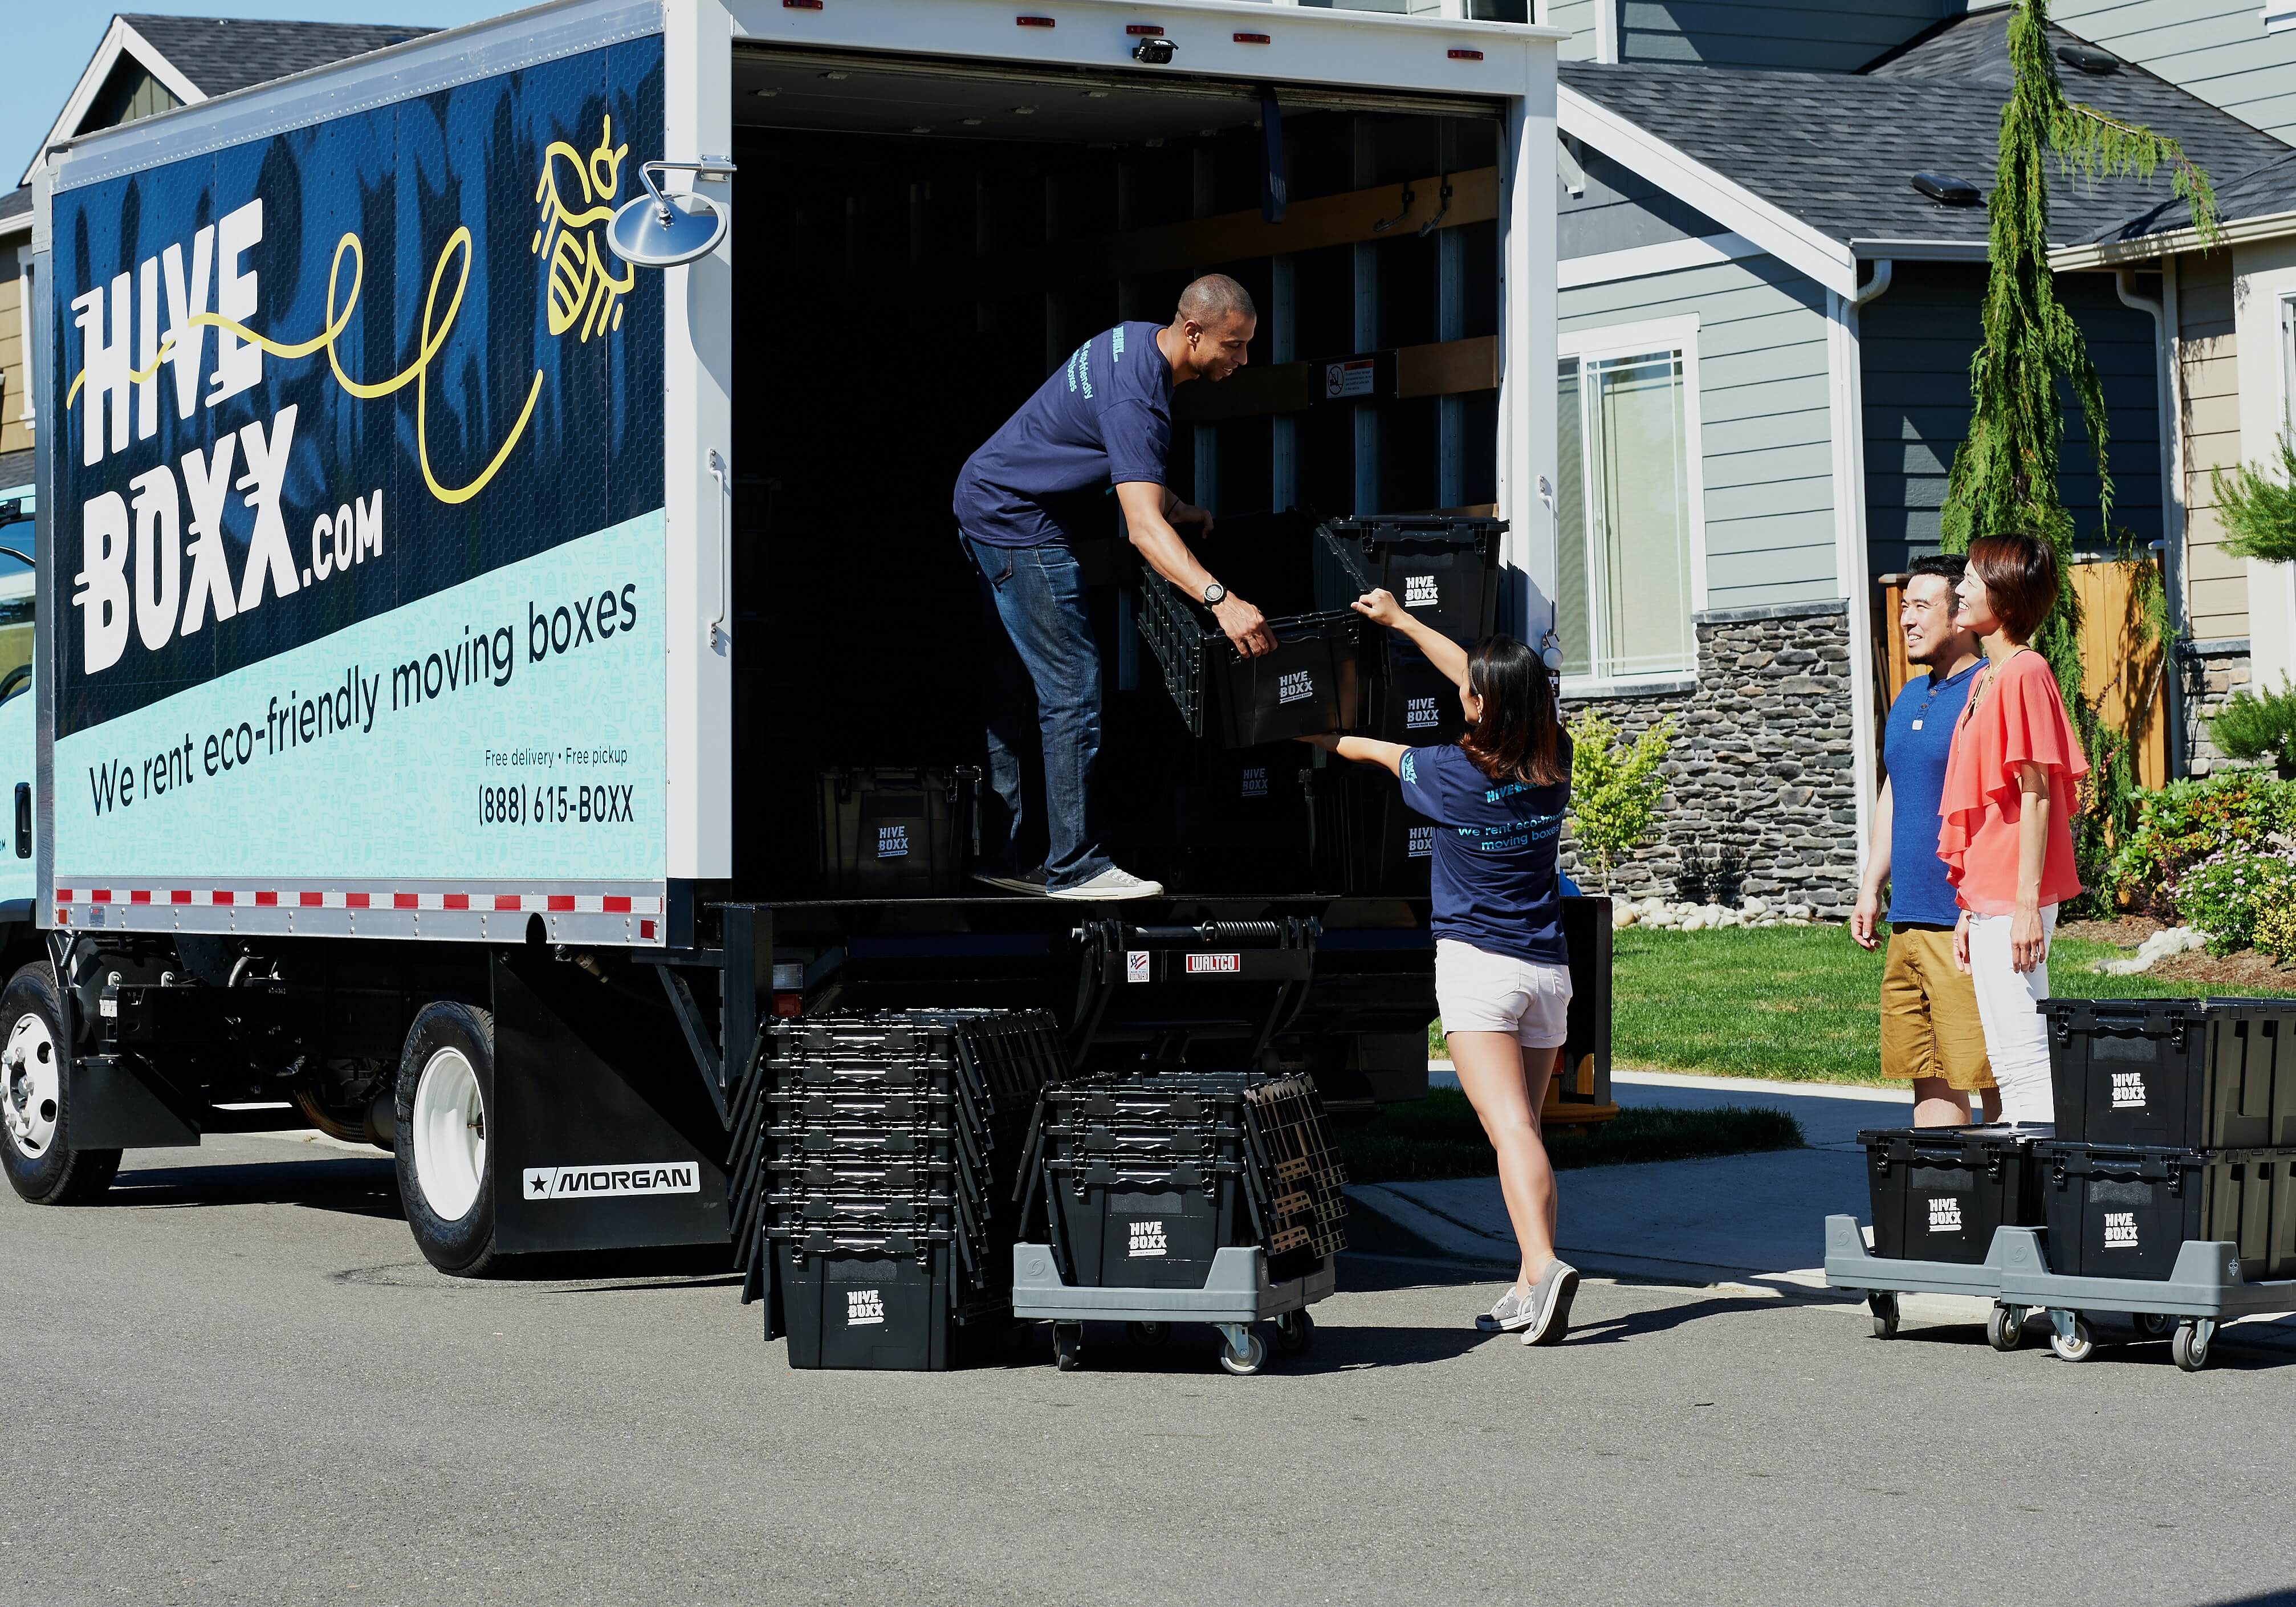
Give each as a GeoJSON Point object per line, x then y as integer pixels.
{"type": "Point", "coordinates": [1619, 210]}
{"type": "Point", "coordinates": [1578, 17]}
{"type": "Point", "coordinates": [1808, 36]}
{"type": "Point", "coordinates": [2215, 49]}
{"type": "Point", "coordinates": [1916, 343]}
{"type": "Point", "coordinates": [1765, 451]}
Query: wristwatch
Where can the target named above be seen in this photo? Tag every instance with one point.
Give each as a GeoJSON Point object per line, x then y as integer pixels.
{"type": "Point", "coordinates": [1215, 595]}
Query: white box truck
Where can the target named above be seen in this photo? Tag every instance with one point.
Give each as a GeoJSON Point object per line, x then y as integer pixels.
{"type": "Point", "coordinates": [452, 636]}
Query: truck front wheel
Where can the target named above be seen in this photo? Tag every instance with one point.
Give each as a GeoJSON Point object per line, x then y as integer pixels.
{"type": "Point", "coordinates": [446, 1166]}
{"type": "Point", "coordinates": [35, 1124]}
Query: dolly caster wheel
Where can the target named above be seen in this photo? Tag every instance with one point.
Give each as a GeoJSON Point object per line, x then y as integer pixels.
{"type": "Point", "coordinates": [1295, 1331]}
{"type": "Point", "coordinates": [2004, 1327]}
{"type": "Point", "coordinates": [1068, 1346]}
{"type": "Point", "coordinates": [1883, 1304]}
{"type": "Point", "coordinates": [1246, 1359]}
{"type": "Point", "coordinates": [2190, 1345]}
{"type": "Point", "coordinates": [1148, 1336]}
{"type": "Point", "coordinates": [2074, 1344]}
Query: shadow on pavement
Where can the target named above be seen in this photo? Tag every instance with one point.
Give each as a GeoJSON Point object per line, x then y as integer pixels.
{"type": "Point", "coordinates": [1640, 1324]}
{"type": "Point", "coordinates": [353, 1184]}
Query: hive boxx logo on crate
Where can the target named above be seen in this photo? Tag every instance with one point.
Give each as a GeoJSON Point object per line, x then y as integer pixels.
{"type": "Point", "coordinates": [1945, 1214]}
{"type": "Point", "coordinates": [1148, 1238]}
{"type": "Point", "coordinates": [2121, 1230]}
{"type": "Point", "coordinates": [864, 1306]}
{"type": "Point", "coordinates": [1419, 592]}
{"type": "Point", "coordinates": [892, 842]}
{"type": "Point", "coordinates": [2128, 1091]}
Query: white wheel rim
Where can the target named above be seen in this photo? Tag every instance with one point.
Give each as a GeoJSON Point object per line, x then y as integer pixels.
{"type": "Point", "coordinates": [450, 1135]}
{"type": "Point", "coordinates": [30, 1088]}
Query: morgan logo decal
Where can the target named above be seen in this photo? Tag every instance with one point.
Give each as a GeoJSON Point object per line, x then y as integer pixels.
{"type": "Point", "coordinates": [603, 1182]}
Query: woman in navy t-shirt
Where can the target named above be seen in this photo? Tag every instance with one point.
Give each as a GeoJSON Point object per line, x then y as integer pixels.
{"type": "Point", "coordinates": [1502, 972]}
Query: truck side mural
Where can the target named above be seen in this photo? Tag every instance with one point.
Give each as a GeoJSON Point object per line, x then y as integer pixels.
{"type": "Point", "coordinates": [359, 584]}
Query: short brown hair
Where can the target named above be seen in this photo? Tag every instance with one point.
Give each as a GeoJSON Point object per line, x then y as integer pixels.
{"type": "Point", "coordinates": [2020, 574]}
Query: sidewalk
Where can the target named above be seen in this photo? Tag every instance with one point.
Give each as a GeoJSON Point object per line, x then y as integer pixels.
{"type": "Point", "coordinates": [1754, 1221]}
{"type": "Point", "coordinates": [1735, 1219]}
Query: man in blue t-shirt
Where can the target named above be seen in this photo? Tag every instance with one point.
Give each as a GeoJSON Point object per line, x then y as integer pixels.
{"type": "Point", "coordinates": [1103, 420]}
{"type": "Point", "coordinates": [1930, 1033]}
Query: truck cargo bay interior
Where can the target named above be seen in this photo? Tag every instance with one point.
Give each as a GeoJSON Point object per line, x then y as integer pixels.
{"type": "Point", "coordinates": [915, 247]}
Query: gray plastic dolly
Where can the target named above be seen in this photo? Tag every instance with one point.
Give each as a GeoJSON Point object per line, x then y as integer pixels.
{"type": "Point", "coordinates": [1849, 1265]}
{"type": "Point", "coordinates": [2203, 1290]}
{"type": "Point", "coordinates": [1237, 1295]}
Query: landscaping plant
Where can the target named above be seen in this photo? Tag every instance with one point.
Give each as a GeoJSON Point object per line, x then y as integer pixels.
{"type": "Point", "coordinates": [2187, 821]}
{"type": "Point", "coordinates": [1615, 788]}
{"type": "Point", "coordinates": [2226, 895]}
{"type": "Point", "coordinates": [2260, 725]}
{"type": "Point", "coordinates": [2258, 509]}
{"type": "Point", "coordinates": [2275, 931]}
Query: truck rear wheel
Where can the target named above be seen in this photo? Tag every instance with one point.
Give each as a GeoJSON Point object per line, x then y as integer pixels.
{"type": "Point", "coordinates": [35, 1124]}
{"type": "Point", "coordinates": [446, 1164]}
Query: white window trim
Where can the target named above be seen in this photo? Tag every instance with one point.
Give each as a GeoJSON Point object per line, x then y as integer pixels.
{"type": "Point", "coordinates": [2279, 16]}
{"type": "Point", "coordinates": [1626, 340]}
{"type": "Point", "coordinates": [30, 413]}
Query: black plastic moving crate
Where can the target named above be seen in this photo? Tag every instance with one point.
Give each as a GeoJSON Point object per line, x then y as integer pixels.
{"type": "Point", "coordinates": [891, 1147]}
{"type": "Point", "coordinates": [897, 833]}
{"type": "Point", "coordinates": [1366, 840]}
{"type": "Point", "coordinates": [2123, 1211]}
{"type": "Point", "coordinates": [1412, 701]}
{"type": "Point", "coordinates": [1312, 683]}
{"type": "Point", "coordinates": [1443, 569]}
{"type": "Point", "coordinates": [1938, 1193]}
{"type": "Point", "coordinates": [2176, 1073]}
{"type": "Point", "coordinates": [887, 1305]}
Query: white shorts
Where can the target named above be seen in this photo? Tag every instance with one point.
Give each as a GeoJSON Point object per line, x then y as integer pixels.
{"type": "Point", "coordinates": [1479, 991]}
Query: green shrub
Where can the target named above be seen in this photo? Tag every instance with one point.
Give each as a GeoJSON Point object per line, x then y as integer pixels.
{"type": "Point", "coordinates": [2253, 726]}
{"type": "Point", "coordinates": [2186, 822]}
{"type": "Point", "coordinates": [2225, 895]}
{"type": "Point", "coordinates": [1614, 788]}
{"type": "Point", "coordinates": [2275, 933]}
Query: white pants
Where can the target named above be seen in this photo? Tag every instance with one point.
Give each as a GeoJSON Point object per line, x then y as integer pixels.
{"type": "Point", "coordinates": [2016, 1033]}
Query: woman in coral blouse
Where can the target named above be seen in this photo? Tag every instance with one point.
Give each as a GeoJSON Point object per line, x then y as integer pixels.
{"type": "Point", "coordinates": [2012, 784]}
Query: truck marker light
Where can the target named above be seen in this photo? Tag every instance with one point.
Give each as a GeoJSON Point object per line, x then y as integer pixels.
{"type": "Point", "coordinates": [1252, 39]}
{"type": "Point", "coordinates": [1143, 30]}
{"type": "Point", "coordinates": [1465, 55]}
{"type": "Point", "coordinates": [800, 5]}
{"type": "Point", "coordinates": [1032, 23]}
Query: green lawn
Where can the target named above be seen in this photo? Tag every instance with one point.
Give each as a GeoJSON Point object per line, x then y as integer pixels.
{"type": "Point", "coordinates": [1799, 1003]}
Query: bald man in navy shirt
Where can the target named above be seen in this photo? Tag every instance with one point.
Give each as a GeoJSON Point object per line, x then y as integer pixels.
{"type": "Point", "coordinates": [1103, 420]}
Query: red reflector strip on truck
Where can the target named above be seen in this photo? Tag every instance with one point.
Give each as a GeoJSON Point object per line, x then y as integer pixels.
{"type": "Point", "coordinates": [1032, 23]}
{"type": "Point", "coordinates": [800, 5]}
{"type": "Point", "coordinates": [1465, 55]}
{"type": "Point", "coordinates": [1143, 30]}
{"type": "Point", "coordinates": [564, 904]}
{"type": "Point", "coordinates": [1251, 39]}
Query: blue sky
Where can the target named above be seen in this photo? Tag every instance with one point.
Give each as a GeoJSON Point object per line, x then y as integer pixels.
{"type": "Point", "coordinates": [52, 41]}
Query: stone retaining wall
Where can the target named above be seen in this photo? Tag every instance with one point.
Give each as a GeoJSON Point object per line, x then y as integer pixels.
{"type": "Point", "coordinates": [2209, 672]}
{"type": "Point", "coordinates": [1761, 758]}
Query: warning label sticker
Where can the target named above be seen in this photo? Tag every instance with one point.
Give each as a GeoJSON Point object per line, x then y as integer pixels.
{"type": "Point", "coordinates": [1348, 379]}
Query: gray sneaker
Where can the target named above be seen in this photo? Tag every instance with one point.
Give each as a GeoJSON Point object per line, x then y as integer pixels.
{"type": "Point", "coordinates": [1549, 1317]}
{"type": "Point", "coordinates": [1031, 882]}
{"type": "Point", "coordinates": [1112, 883]}
{"type": "Point", "coordinates": [1513, 1311]}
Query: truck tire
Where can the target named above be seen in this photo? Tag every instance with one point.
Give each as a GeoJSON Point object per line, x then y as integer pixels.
{"type": "Point", "coordinates": [445, 1162]}
{"type": "Point", "coordinates": [35, 1125]}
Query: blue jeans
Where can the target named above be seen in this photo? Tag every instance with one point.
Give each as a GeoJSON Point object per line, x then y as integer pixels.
{"type": "Point", "coordinates": [1036, 594]}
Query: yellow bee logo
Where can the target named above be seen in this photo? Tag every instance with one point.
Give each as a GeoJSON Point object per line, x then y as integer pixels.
{"type": "Point", "coordinates": [581, 288]}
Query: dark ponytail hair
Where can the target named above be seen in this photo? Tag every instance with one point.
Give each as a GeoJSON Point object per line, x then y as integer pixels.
{"type": "Point", "coordinates": [1519, 737]}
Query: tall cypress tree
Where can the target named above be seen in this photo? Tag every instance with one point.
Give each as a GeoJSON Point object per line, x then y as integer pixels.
{"type": "Point", "coordinates": [2005, 475]}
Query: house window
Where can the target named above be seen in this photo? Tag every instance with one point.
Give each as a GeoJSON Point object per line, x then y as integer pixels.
{"type": "Point", "coordinates": [1628, 508]}
{"type": "Point", "coordinates": [2279, 16]}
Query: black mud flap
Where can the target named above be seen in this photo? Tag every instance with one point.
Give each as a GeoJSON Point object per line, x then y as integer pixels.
{"type": "Point", "coordinates": [116, 1105]}
{"type": "Point", "coordinates": [605, 1139]}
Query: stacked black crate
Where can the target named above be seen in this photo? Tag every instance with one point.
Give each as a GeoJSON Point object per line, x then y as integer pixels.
{"type": "Point", "coordinates": [1938, 1193]}
{"type": "Point", "coordinates": [2176, 1121]}
{"type": "Point", "coordinates": [1146, 1177]}
{"type": "Point", "coordinates": [1444, 571]}
{"type": "Point", "coordinates": [893, 1144]}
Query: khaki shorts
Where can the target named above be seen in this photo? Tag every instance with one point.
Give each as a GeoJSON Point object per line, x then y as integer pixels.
{"type": "Point", "coordinates": [1930, 1024]}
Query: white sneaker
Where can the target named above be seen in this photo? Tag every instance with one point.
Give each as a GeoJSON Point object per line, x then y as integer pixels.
{"type": "Point", "coordinates": [1112, 883]}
